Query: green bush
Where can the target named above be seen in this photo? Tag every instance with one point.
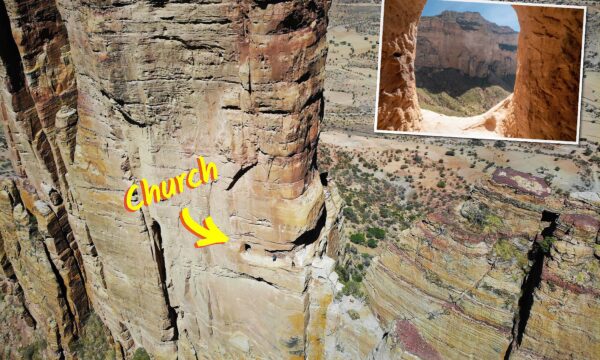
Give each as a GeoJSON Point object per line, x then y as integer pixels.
{"type": "Point", "coordinates": [357, 238]}
{"type": "Point", "coordinates": [357, 277]}
{"type": "Point", "coordinates": [546, 243]}
{"type": "Point", "coordinates": [342, 273]}
{"type": "Point", "coordinates": [372, 243]}
{"type": "Point", "coordinates": [375, 232]}
{"type": "Point", "coordinates": [441, 184]}
{"type": "Point", "coordinates": [352, 288]}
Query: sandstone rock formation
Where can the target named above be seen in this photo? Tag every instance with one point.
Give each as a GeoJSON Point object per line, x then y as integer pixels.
{"type": "Point", "coordinates": [545, 105]}
{"type": "Point", "coordinates": [467, 42]}
{"type": "Point", "coordinates": [546, 97]}
{"type": "Point", "coordinates": [398, 107]}
{"type": "Point", "coordinates": [99, 95]}
{"type": "Point", "coordinates": [485, 277]}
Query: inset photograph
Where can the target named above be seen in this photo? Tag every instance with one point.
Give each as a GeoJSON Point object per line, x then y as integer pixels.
{"type": "Point", "coordinates": [481, 69]}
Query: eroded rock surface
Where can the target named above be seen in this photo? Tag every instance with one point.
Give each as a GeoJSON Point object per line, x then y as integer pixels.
{"type": "Point", "coordinates": [546, 98]}
{"type": "Point", "coordinates": [502, 269]}
{"type": "Point", "coordinates": [139, 90]}
{"type": "Point", "coordinates": [398, 102]}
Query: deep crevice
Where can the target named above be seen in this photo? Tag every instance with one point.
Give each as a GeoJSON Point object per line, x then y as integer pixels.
{"type": "Point", "coordinates": [532, 281]}
{"type": "Point", "coordinates": [9, 53]}
{"type": "Point", "coordinates": [312, 235]}
{"type": "Point", "coordinates": [162, 273]}
{"type": "Point", "coordinates": [324, 178]}
{"type": "Point", "coordinates": [63, 293]}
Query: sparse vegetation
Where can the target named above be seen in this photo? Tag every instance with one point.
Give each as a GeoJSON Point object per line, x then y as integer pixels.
{"type": "Point", "coordinates": [354, 315]}
{"type": "Point", "coordinates": [34, 351]}
{"type": "Point", "coordinates": [140, 354]}
{"type": "Point", "coordinates": [546, 243]}
{"type": "Point", "coordinates": [93, 342]}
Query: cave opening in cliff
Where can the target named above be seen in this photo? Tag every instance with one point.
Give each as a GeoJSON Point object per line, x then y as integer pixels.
{"type": "Point", "coordinates": [481, 69]}
{"type": "Point", "coordinates": [466, 60]}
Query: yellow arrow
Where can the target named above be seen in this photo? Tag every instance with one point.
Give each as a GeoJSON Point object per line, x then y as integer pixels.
{"type": "Point", "coordinates": [208, 232]}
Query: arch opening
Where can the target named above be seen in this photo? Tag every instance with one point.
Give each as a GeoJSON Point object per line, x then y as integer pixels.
{"type": "Point", "coordinates": [545, 101]}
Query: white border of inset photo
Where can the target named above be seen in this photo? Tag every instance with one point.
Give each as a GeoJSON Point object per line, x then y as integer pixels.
{"type": "Point", "coordinates": [579, 108]}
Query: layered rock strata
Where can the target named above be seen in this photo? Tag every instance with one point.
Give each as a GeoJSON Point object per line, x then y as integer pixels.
{"type": "Point", "coordinates": [139, 90]}
{"type": "Point", "coordinates": [512, 267]}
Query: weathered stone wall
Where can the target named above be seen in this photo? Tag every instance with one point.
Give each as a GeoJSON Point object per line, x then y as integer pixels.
{"type": "Point", "coordinates": [139, 90]}
{"type": "Point", "coordinates": [398, 103]}
{"type": "Point", "coordinates": [546, 97]}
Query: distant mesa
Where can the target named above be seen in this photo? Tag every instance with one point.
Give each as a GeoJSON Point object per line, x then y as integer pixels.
{"type": "Point", "coordinates": [467, 42]}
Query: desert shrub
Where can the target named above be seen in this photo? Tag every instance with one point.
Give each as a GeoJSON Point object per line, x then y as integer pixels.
{"type": "Point", "coordinates": [93, 342]}
{"type": "Point", "coordinates": [499, 144]}
{"type": "Point", "coordinates": [358, 238]}
{"type": "Point", "coordinates": [372, 243]}
{"type": "Point", "coordinates": [546, 243]}
{"type": "Point", "coordinates": [33, 351]}
{"type": "Point", "coordinates": [350, 215]}
{"type": "Point", "coordinates": [450, 153]}
{"type": "Point", "coordinates": [354, 315]}
{"type": "Point", "coordinates": [343, 274]}
{"type": "Point", "coordinates": [352, 288]}
{"type": "Point", "coordinates": [441, 184]}
{"type": "Point", "coordinates": [141, 354]}
{"type": "Point", "coordinates": [506, 251]}
{"type": "Point", "coordinates": [375, 232]}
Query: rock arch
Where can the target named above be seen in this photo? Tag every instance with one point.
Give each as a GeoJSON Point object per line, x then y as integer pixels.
{"type": "Point", "coordinates": [546, 97]}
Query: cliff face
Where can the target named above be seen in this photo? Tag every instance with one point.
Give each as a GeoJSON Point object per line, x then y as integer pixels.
{"type": "Point", "coordinates": [98, 96]}
{"type": "Point", "coordinates": [467, 42]}
{"type": "Point", "coordinates": [512, 267]}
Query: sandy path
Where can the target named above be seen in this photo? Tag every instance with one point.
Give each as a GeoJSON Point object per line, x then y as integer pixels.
{"type": "Point", "coordinates": [486, 126]}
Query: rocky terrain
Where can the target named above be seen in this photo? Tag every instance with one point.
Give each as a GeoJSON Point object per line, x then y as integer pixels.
{"type": "Point", "coordinates": [435, 234]}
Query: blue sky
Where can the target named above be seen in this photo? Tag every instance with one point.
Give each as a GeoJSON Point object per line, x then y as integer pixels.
{"type": "Point", "coordinates": [501, 14]}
